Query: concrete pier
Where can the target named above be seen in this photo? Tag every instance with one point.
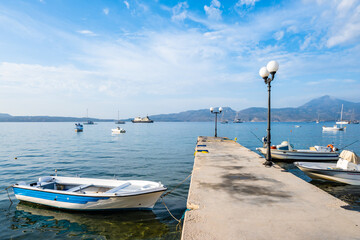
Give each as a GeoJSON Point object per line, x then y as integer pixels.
{"type": "Point", "coordinates": [239, 198]}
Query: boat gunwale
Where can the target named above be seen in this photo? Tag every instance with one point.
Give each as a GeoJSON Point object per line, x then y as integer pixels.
{"type": "Point", "coordinates": [96, 195]}
{"type": "Point", "coordinates": [298, 164]}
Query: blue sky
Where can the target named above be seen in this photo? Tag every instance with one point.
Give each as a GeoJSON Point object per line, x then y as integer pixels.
{"type": "Point", "coordinates": [60, 58]}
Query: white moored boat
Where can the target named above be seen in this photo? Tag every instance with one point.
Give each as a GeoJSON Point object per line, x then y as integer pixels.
{"type": "Point", "coordinates": [286, 152]}
{"type": "Point", "coordinates": [118, 130]}
{"type": "Point", "coordinates": [346, 170]}
{"type": "Point", "coordinates": [341, 122]}
{"type": "Point", "coordinates": [333, 128]}
{"type": "Point", "coordinates": [76, 193]}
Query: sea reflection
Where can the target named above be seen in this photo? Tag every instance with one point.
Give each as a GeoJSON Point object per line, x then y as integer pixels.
{"type": "Point", "coordinates": [31, 219]}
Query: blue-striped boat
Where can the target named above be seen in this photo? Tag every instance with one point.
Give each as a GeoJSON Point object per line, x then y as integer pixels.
{"type": "Point", "coordinates": [76, 193]}
{"type": "Point", "coordinates": [286, 152]}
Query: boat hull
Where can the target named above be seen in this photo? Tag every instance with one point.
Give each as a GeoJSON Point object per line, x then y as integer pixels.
{"type": "Point", "coordinates": [333, 129]}
{"type": "Point", "coordinates": [134, 121]}
{"type": "Point", "coordinates": [58, 199]}
{"type": "Point", "coordinates": [325, 171]}
{"type": "Point", "coordinates": [283, 155]}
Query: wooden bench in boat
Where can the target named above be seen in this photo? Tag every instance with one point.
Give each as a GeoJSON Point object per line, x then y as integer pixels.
{"type": "Point", "coordinates": [118, 188]}
{"type": "Point", "coordinates": [78, 188]}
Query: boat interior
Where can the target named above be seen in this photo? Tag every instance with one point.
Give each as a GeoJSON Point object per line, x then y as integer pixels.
{"type": "Point", "coordinates": [48, 183]}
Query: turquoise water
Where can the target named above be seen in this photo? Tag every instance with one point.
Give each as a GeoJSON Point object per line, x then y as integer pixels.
{"type": "Point", "coordinates": [158, 152]}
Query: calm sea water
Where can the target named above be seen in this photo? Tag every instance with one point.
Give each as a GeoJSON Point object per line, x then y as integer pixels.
{"type": "Point", "coordinates": [158, 152]}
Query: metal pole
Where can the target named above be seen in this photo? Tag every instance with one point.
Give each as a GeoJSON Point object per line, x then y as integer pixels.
{"type": "Point", "coordinates": [216, 124]}
{"type": "Point", "coordinates": [268, 155]}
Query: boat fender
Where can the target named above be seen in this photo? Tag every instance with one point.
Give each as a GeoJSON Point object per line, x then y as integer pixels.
{"type": "Point", "coordinates": [273, 147]}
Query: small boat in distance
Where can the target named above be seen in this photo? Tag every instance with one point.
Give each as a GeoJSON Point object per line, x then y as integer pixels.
{"type": "Point", "coordinates": [142, 120]}
{"type": "Point", "coordinates": [118, 130]}
{"type": "Point", "coordinates": [333, 128]}
{"type": "Point", "coordinates": [75, 193]}
{"type": "Point", "coordinates": [119, 121]}
{"type": "Point", "coordinates": [89, 122]}
{"type": "Point", "coordinates": [237, 119]}
{"type": "Point", "coordinates": [286, 152]}
{"type": "Point", "coordinates": [79, 127]}
{"type": "Point", "coordinates": [346, 170]}
{"type": "Point", "coordinates": [341, 116]}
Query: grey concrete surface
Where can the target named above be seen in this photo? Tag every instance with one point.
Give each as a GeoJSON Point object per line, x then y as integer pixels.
{"type": "Point", "coordinates": [238, 198]}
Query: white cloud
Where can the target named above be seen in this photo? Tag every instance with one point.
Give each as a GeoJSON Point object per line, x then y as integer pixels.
{"type": "Point", "coordinates": [127, 4]}
{"type": "Point", "coordinates": [179, 12]}
{"type": "Point", "coordinates": [247, 3]}
{"type": "Point", "coordinates": [344, 23]}
{"type": "Point", "coordinates": [306, 42]}
{"type": "Point", "coordinates": [106, 11]}
{"type": "Point", "coordinates": [87, 32]}
{"type": "Point", "coordinates": [279, 35]}
{"type": "Point", "coordinates": [213, 11]}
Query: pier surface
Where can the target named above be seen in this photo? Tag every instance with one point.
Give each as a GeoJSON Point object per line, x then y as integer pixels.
{"type": "Point", "coordinates": [239, 198]}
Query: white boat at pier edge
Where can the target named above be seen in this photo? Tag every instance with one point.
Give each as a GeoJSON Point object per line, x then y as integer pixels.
{"type": "Point", "coordinates": [89, 194]}
{"type": "Point", "coordinates": [286, 152]}
{"type": "Point", "coordinates": [345, 170]}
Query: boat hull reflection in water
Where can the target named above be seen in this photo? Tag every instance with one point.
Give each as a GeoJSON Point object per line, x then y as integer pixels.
{"type": "Point", "coordinates": [87, 225]}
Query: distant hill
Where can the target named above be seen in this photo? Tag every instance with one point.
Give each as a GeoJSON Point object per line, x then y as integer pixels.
{"type": "Point", "coordinates": [326, 108]}
{"type": "Point", "coordinates": [8, 118]}
{"type": "Point", "coordinates": [202, 115]}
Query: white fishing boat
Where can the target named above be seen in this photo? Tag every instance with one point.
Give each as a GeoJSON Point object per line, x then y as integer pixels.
{"type": "Point", "coordinates": [118, 130]}
{"type": "Point", "coordinates": [79, 127]}
{"type": "Point", "coordinates": [76, 193]}
{"type": "Point", "coordinates": [286, 152]}
{"type": "Point", "coordinates": [333, 128]}
{"type": "Point", "coordinates": [341, 122]}
{"type": "Point", "coordinates": [346, 170]}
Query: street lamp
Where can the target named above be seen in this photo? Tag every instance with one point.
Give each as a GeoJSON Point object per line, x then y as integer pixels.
{"type": "Point", "coordinates": [264, 72]}
{"type": "Point", "coordinates": [216, 112]}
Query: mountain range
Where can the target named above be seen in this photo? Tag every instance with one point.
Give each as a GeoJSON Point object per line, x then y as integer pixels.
{"type": "Point", "coordinates": [325, 108]}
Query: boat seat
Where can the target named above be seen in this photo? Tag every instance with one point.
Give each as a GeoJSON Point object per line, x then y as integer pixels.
{"type": "Point", "coordinates": [77, 188]}
{"type": "Point", "coordinates": [118, 188]}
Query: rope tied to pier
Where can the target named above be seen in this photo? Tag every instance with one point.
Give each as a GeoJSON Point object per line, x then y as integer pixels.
{"type": "Point", "coordinates": [6, 189]}
{"type": "Point", "coordinates": [178, 226]}
{"type": "Point", "coordinates": [175, 187]}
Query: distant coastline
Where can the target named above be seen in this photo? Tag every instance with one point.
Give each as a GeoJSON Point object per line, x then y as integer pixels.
{"type": "Point", "coordinates": [324, 109]}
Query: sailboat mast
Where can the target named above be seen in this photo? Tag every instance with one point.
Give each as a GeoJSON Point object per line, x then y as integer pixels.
{"type": "Point", "coordinates": [342, 106]}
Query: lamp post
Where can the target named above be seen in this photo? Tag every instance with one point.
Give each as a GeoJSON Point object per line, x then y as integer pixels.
{"type": "Point", "coordinates": [216, 112]}
{"type": "Point", "coordinates": [264, 72]}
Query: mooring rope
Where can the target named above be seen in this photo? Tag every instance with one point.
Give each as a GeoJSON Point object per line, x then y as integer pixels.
{"type": "Point", "coordinates": [176, 186]}
{"type": "Point", "coordinates": [178, 226]}
{"type": "Point", "coordinates": [6, 189]}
